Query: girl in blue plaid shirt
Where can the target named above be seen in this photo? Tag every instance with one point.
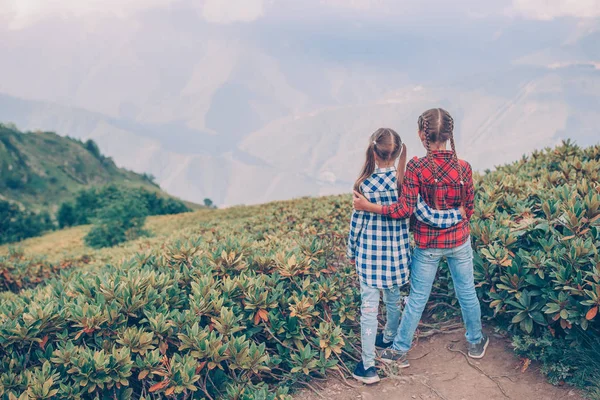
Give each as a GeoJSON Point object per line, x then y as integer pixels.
{"type": "Point", "coordinates": [379, 246]}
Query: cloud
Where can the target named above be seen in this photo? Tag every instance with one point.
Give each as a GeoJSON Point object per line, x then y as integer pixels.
{"type": "Point", "coordinates": [550, 9]}
{"type": "Point", "coordinates": [22, 13]}
{"type": "Point", "coordinates": [356, 4]}
{"type": "Point", "coordinates": [228, 11]}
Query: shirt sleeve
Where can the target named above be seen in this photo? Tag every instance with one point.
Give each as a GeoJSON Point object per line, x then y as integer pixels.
{"type": "Point", "coordinates": [437, 218]}
{"type": "Point", "coordinates": [470, 195]}
{"type": "Point", "coordinates": [407, 198]}
{"type": "Point", "coordinates": [356, 224]}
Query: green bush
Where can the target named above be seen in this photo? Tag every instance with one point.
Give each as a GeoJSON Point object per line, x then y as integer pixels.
{"type": "Point", "coordinates": [536, 233]}
{"type": "Point", "coordinates": [66, 215]}
{"type": "Point", "coordinates": [18, 272]}
{"type": "Point", "coordinates": [266, 298]}
{"type": "Point", "coordinates": [93, 148]}
{"type": "Point", "coordinates": [224, 317]}
{"type": "Point", "coordinates": [118, 222]}
{"type": "Point", "coordinates": [17, 224]}
{"type": "Point", "coordinates": [90, 202]}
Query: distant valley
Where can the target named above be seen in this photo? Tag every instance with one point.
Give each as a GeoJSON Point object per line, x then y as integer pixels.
{"type": "Point", "coordinates": [235, 114]}
{"type": "Point", "coordinates": [320, 152]}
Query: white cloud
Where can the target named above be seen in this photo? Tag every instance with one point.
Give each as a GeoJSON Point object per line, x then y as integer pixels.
{"type": "Point", "coordinates": [550, 9]}
{"type": "Point", "coordinates": [355, 4]}
{"type": "Point", "coordinates": [22, 13]}
{"type": "Point", "coordinates": [228, 11]}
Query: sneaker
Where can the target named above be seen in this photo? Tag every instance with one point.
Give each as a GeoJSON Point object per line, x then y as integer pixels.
{"type": "Point", "coordinates": [380, 343]}
{"type": "Point", "coordinates": [391, 356]}
{"type": "Point", "coordinates": [367, 376]}
{"type": "Point", "coordinates": [478, 350]}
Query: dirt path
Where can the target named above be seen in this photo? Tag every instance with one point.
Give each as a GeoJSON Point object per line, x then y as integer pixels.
{"type": "Point", "coordinates": [437, 373]}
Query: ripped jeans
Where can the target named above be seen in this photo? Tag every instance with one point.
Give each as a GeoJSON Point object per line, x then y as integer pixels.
{"type": "Point", "coordinates": [368, 319]}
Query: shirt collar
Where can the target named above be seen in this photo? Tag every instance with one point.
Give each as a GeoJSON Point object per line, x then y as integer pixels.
{"type": "Point", "coordinates": [384, 170]}
{"type": "Point", "coordinates": [442, 153]}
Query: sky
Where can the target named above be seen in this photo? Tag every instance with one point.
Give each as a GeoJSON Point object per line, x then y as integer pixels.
{"type": "Point", "coordinates": [174, 87]}
{"type": "Point", "coordinates": [22, 13]}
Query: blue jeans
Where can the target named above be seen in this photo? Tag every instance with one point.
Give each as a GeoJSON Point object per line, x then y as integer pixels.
{"type": "Point", "coordinates": [424, 267]}
{"type": "Point", "coordinates": [368, 319]}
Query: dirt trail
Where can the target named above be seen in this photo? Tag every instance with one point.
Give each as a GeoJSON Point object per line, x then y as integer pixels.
{"type": "Point", "coordinates": [438, 373]}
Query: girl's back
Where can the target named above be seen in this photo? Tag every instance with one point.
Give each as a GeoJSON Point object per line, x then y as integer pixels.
{"type": "Point", "coordinates": [382, 245]}
{"type": "Point", "coordinates": [447, 195]}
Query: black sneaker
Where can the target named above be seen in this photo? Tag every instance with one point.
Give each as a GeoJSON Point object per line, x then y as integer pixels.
{"type": "Point", "coordinates": [478, 350]}
{"type": "Point", "coordinates": [367, 376]}
{"type": "Point", "coordinates": [380, 343]}
{"type": "Point", "coordinates": [391, 356]}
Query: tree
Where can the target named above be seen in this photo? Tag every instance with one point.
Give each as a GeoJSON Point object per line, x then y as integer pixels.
{"type": "Point", "coordinates": [90, 202]}
{"type": "Point", "coordinates": [66, 215]}
{"type": "Point", "coordinates": [93, 148]}
{"type": "Point", "coordinates": [17, 224]}
{"type": "Point", "coordinates": [209, 203]}
{"type": "Point", "coordinates": [117, 223]}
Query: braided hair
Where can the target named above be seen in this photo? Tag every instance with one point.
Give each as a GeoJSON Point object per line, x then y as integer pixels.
{"type": "Point", "coordinates": [438, 126]}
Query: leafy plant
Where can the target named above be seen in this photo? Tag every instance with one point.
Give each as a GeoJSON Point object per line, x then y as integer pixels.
{"type": "Point", "coordinates": [245, 302]}
{"type": "Point", "coordinates": [121, 221]}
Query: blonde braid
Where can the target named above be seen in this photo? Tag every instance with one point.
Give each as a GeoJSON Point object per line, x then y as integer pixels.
{"type": "Point", "coordinates": [424, 126]}
{"type": "Point", "coordinates": [463, 189]}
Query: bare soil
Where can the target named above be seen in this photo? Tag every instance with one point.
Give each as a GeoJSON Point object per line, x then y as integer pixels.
{"type": "Point", "coordinates": [437, 373]}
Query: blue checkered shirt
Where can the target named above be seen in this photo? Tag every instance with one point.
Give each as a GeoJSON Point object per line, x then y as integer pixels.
{"type": "Point", "coordinates": [380, 245]}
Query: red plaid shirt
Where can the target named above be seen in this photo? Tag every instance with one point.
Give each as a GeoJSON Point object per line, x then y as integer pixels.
{"type": "Point", "coordinates": [419, 180]}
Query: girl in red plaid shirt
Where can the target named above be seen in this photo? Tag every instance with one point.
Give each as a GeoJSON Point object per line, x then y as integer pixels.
{"type": "Point", "coordinates": [444, 182]}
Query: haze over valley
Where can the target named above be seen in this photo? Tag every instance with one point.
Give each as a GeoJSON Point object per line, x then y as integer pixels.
{"type": "Point", "coordinates": [248, 102]}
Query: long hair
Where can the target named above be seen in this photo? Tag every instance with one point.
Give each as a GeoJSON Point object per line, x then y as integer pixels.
{"type": "Point", "coordinates": [386, 144]}
{"type": "Point", "coordinates": [438, 126]}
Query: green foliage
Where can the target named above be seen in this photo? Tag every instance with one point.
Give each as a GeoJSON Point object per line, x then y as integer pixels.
{"type": "Point", "coordinates": [17, 224]}
{"type": "Point", "coordinates": [18, 272]}
{"type": "Point", "coordinates": [42, 169]}
{"type": "Point", "coordinates": [209, 203]}
{"type": "Point", "coordinates": [150, 178]}
{"type": "Point", "coordinates": [251, 300]}
{"type": "Point", "coordinates": [227, 315]}
{"type": "Point", "coordinates": [121, 220]}
{"type": "Point", "coordinates": [90, 203]}
{"type": "Point", "coordinates": [536, 232]}
{"type": "Point", "coordinates": [66, 216]}
{"type": "Point", "coordinates": [93, 148]}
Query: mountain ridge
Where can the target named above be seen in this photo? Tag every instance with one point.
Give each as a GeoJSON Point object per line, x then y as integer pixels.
{"type": "Point", "coordinates": [41, 169]}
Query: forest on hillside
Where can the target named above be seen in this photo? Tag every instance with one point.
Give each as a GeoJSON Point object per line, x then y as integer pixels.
{"type": "Point", "coordinates": [49, 182]}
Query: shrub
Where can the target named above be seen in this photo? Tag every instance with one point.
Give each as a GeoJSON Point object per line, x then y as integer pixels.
{"type": "Point", "coordinates": [66, 215]}
{"type": "Point", "coordinates": [89, 202]}
{"type": "Point", "coordinates": [266, 299]}
{"type": "Point", "coordinates": [118, 222]}
{"type": "Point", "coordinates": [220, 317]}
{"type": "Point", "coordinates": [18, 272]}
{"type": "Point", "coordinates": [209, 203]}
{"type": "Point", "coordinates": [536, 232]}
{"type": "Point", "coordinates": [93, 148]}
{"type": "Point", "coordinates": [17, 224]}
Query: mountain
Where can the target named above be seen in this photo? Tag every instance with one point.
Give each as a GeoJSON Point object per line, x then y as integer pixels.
{"type": "Point", "coordinates": [496, 120]}
{"type": "Point", "coordinates": [192, 172]}
{"type": "Point", "coordinates": [281, 108]}
{"type": "Point", "coordinates": [42, 169]}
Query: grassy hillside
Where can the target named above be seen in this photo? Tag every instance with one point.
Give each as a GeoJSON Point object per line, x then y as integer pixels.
{"type": "Point", "coordinates": [42, 169]}
{"type": "Point", "coordinates": [247, 301]}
